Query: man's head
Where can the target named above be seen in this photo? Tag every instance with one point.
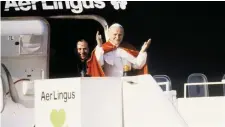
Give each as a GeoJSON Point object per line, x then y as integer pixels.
{"type": "Point", "coordinates": [116, 33]}
{"type": "Point", "coordinates": [82, 49]}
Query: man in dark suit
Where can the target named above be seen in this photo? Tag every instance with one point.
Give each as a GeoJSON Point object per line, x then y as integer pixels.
{"type": "Point", "coordinates": [82, 52]}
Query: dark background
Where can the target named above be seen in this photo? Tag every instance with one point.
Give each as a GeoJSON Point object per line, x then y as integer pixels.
{"type": "Point", "coordinates": [187, 37]}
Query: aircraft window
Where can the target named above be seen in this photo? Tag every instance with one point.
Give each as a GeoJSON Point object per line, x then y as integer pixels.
{"type": "Point", "coordinates": [31, 44]}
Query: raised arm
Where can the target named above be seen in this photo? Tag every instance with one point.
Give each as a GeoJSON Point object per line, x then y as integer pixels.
{"type": "Point", "coordinates": [99, 52]}
{"type": "Point", "coordinates": [140, 60]}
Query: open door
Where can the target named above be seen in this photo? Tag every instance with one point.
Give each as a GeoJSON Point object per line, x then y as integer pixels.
{"type": "Point", "coordinates": [24, 47]}
{"type": "Point", "coordinates": [25, 52]}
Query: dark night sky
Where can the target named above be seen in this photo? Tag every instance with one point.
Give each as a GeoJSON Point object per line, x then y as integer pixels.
{"type": "Point", "coordinates": [187, 37]}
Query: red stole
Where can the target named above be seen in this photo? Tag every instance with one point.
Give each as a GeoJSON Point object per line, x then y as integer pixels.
{"type": "Point", "coordinates": [95, 70]}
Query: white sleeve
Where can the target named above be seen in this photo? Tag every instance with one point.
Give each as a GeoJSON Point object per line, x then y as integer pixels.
{"type": "Point", "coordinates": [99, 53]}
{"type": "Point", "coordinates": [140, 60]}
{"type": "Point", "coordinates": [137, 62]}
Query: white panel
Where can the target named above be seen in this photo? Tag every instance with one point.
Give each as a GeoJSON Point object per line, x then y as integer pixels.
{"type": "Point", "coordinates": [23, 45]}
{"type": "Point", "coordinates": [203, 111]}
{"type": "Point", "coordinates": [57, 103]}
{"type": "Point", "coordinates": [28, 88]}
{"type": "Point", "coordinates": [18, 27]}
{"type": "Point", "coordinates": [31, 44]}
{"type": "Point", "coordinates": [101, 102]}
{"type": "Point", "coordinates": [26, 67]}
{"type": "Point", "coordinates": [16, 115]}
{"type": "Point", "coordinates": [8, 47]}
{"type": "Point", "coordinates": [145, 104]}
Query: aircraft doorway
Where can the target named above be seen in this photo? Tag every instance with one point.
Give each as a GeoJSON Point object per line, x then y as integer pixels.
{"type": "Point", "coordinates": [64, 34]}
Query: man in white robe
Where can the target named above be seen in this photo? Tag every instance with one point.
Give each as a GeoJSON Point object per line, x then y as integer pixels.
{"type": "Point", "coordinates": [115, 59]}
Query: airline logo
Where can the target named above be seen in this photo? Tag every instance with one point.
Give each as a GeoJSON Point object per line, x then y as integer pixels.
{"type": "Point", "coordinates": [75, 6]}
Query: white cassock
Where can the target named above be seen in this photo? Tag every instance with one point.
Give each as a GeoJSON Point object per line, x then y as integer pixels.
{"type": "Point", "coordinates": [115, 60]}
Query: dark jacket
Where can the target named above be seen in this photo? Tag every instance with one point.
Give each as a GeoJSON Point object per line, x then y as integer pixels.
{"type": "Point", "coordinates": [81, 68]}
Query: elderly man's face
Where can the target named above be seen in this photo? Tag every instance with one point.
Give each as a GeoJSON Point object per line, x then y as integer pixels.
{"type": "Point", "coordinates": [83, 50]}
{"type": "Point", "coordinates": [116, 35]}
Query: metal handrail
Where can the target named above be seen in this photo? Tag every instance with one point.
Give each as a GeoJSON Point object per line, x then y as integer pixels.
{"type": "Point", "coordinates": [205, 83]}
{"type": "Point", "coordinates": [13, 91]}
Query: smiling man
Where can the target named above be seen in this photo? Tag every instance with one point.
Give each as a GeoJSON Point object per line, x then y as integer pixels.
{"type": "Point", "coordinates": [83, 54]}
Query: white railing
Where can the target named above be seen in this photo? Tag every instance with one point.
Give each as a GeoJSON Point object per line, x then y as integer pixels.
{"type": "Point", "coordinates": [171, 94]}
{"type": "Point", "coordinates": [205, 83]}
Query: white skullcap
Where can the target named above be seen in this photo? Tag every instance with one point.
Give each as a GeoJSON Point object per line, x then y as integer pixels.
{"type": "Point", "coordinates": [116, 25]}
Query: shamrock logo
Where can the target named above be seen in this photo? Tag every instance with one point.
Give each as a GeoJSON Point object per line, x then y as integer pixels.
{"type": "Point", "coordinates": [58, 117]}
{"type": "Point", "coordinates": [119, 4]}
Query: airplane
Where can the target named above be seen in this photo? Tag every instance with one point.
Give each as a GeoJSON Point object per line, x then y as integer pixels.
{"type": "Point", "coordinates": [25, 58]}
